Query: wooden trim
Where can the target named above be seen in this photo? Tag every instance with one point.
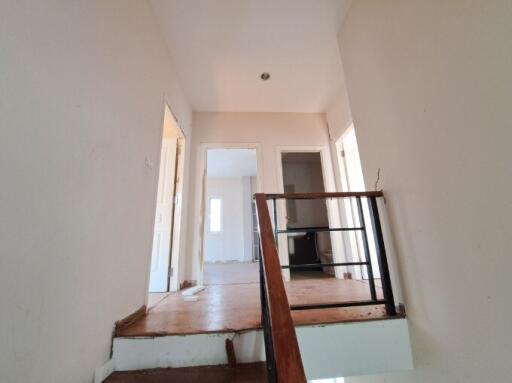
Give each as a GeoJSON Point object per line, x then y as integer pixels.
{"type": "Point", "coordinates": [378, 193]}
{"type": "Point", "coordinates": [128, 320]}
{"type": "Point", "coordinates": [288, 361]}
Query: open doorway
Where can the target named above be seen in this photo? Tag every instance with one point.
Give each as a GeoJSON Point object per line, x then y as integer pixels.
{"type": "Point", "coordinates": [230, 237]}
{"type": "Point", "coordinates": [352, 180]}
{"type": "Point", "coordinates": [163, 275]}
{"type": "Point", "coordinates": [303, 173]}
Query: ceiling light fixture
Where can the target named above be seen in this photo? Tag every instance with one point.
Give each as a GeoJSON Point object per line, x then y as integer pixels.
{"type": "Point", "coordinates": [265, 76]}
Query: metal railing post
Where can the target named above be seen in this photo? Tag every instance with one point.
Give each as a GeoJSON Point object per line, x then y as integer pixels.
{"type": "Point", "coordinates": [369, 267]}
{"type": "Point", "coordinates": [380, 249]}
{"type": "Point", "coordinates": [267, 332]}
{"type": "Point", "coordinates": [274, 213]}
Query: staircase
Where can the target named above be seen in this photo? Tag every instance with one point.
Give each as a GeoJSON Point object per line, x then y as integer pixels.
{"type": "Point", "coordinates": [242, 373]}
{"type": "Point", "coordinates": [280, 351]}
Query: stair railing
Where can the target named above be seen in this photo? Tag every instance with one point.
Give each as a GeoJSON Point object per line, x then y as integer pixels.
{"type": "Point", "coordinates": [284, 363]}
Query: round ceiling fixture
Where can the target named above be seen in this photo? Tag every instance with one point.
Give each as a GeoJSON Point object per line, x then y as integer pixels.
{"type": "Point", "coordinates": [265, 76]}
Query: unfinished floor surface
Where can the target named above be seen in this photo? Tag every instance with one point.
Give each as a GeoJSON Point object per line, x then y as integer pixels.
{"type": "Point", "coordinates": [242, 373]}
{"type": "Point", "coordinates": [223, 308]}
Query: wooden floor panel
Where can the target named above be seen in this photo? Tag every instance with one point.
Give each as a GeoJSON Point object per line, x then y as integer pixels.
{"type": "Point", "coordinates": [243, 373]}
{"type": "Point", "coordinates": [223, 308]}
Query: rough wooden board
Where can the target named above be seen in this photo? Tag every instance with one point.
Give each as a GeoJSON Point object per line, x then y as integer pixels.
{"type": "Point", "coordinates": [243, 373]}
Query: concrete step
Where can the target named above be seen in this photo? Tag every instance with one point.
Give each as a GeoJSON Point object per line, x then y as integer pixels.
{"type": "Point", "coordinates": [242, 373]}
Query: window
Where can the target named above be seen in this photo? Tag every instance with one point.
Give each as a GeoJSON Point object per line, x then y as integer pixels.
{"type": "Point", "coordinates": [215, 224]}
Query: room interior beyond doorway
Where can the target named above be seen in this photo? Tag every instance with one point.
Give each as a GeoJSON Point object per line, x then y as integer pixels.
{"type": "Point", "coordinates": [230, 237]}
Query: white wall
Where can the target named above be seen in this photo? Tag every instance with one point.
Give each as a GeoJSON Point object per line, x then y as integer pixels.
{"type": "Point", "coordinates": [430, 91]}
{"type": "Point", "coordinates": [339, 119]}
{"type": "Point", "coordinates": [247, 217]}
{"type": "Point", "coordinates": [81, 108]}
{"type": "Point", "coordinates": [268, 130]}
{"type": "Point", "coordinates": [229, 244]}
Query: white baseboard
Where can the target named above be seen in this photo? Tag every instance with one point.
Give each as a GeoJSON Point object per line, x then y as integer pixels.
{"type": "Point", "coordinates": [103, 372]}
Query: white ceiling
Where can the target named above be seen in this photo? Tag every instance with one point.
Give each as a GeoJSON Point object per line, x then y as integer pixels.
{"type": "Point", "coordinates": [220, 48]}
{"type": "Point", "coordinates": [231, 163]}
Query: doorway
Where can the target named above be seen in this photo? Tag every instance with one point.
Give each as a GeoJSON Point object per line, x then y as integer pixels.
{"type": "Point", "coordinates": [302, 173]}
{"type": "Point", "coordinates": [230, 236]}
{"type": "Point", "coordinates": [163, 275]}
{"type": "Point", "coordinates": [352, 180]}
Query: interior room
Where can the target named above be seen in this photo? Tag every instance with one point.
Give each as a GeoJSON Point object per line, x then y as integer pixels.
{"type": "Point", "coordinates": [308, 245]}
{"type": "Point", "coordinates": [231, 242]}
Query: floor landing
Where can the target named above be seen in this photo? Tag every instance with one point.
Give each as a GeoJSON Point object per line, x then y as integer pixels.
{"type": "Point", "coordinates": [236, 307]}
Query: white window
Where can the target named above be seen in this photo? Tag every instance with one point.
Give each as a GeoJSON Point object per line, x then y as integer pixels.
{"type": "Point", "coordinates": [215, 224]}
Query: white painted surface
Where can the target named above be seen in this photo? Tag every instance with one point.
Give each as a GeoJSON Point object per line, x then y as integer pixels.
{"type": "Point", "coordinates": [160, 255]}
{"type": "Point", "coordinates": [327, 351]}
{"type": "Point", "coordinates": [263, 131]}
{"type": "Point", "coordinates": [352, 349]}
{"type": "Point", "coordinates": [227, 245]}
{"type": "Point", "coordinates": [430, 89]}
{"type": "Point", "coordinates": [81, 107]}
{"type": "Point", "coordinates": [177, 245]}
{"type": "Point", "coordinates": [224, 163]}
{"type": "Point", "coordinates": [339, 119]}
{"type": "Point", "coordinates": [352, 180]}
{"type": "Point", "coordinates": [247, 225]}
{"type": "Point", "coordinates": [192, 290]}
{"type": "Point", "coordinates": [186, 350]}
{"type": "Point", "coordinates": [221, 47]}
{"type": "Point", "coordinates": [104, 371]}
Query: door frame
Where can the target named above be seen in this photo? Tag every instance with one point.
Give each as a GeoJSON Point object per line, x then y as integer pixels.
{"type": "Point", "coordinates": [174, 254]}
{"type": "Point", "coordinates": [201, 193]}
{"type": "Point", "coordinates": [350, 213]}
{"type": "Point", "coordinates": [347, 209]}
{"type": "Point", "coordinates": [332, 205]}
{"type": "Point", "coordinates": [175, 236]}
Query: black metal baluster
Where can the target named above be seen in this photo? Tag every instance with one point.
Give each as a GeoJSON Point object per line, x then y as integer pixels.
{"type": "Point", "coordinates": [380, 248]}
{"type": "Point", "coordinates": [267, 333]}
{"type": "Point", "coordinates": [367, 257]}
{"type": "Point", "coordinates": [274, 208]}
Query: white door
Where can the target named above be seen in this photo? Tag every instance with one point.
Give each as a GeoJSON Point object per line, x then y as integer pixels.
{"type": "Point", "coordinates": [161, 254]}
{"type": "Point", "coordinates": [353, 180]}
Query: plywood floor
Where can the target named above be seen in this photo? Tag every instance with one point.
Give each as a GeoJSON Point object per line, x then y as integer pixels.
{"type": "Point", "coordinates": [242, 373]}
{"type": "Point", "coordinates": [236, 307]}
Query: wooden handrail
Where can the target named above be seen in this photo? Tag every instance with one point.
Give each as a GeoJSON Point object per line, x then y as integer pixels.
{"type": "Point", "coordinates": [288, 362]}
{"type": "Point", "coordinates": [378, 193]}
